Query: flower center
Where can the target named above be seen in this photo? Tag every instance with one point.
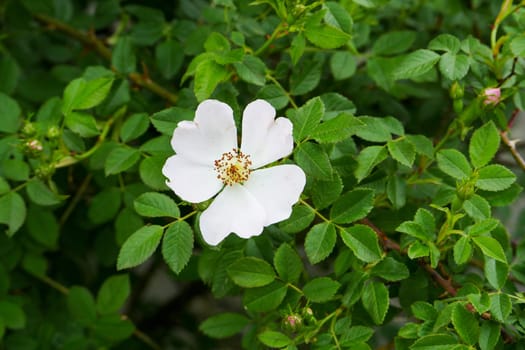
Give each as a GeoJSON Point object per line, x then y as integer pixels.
{"type": "Point", "coordinates": [233, 167]}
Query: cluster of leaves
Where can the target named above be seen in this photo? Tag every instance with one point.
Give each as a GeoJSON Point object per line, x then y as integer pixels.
{"type": "Point", "coordinates": [399, 239]}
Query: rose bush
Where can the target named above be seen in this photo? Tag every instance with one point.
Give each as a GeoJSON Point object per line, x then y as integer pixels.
{"type": "Point", "coordinates": [364, 154]}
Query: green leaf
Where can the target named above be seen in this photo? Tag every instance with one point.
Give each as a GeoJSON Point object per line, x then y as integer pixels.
{"type": "Point", "coordinates": [83, 124]}
{"type": "Point", "coordinates": [43, 226]}
{"type": "Point", "coordinates": [169, 56]}
{"type": "Point", "coordinates": [517, 45]}
{"type": "Point", "coordinates": [480, 302]}
{"type": "Point", "coordinates": [306, 118]}
{"type": "Point", "coordinates": [150, 171]}
{"type": "Point", "coordinates": [306, 77]}
{"type": "Point", "coordinates": [15, 169]}
{"type": "Point", "coordinates": [40, 194]}
{"type": "Point", "coordinates": [423, 311]}
{"type": "Point", "coordinates": [376, 301]}
{"type": "Point", "coordinates": [363, 242]}
{"type": "Point", "coordinates": [139, 246]}
{"type": "Point", "coordinates": [105, 205]}
{"type": "Point", "coordinates": [320, 242]}
{"type": "Point", "coordinates": [288, 264]}
{"type": "Point", "coordinates": [312, 158]}
{"type": "Point", "coordinates": [484, 144]}
{"type": "Point", "coordinates": [135, 126]}
{"type": "Point", "coordinates": [12, 315]}
{"type": "Point", "coordinates": [123, 58]}
{"type": "Point", "coordinates": [396, 189]}
{"type": "Point", "coordinates": [462, 250]}
{"type": "Point", "coordinates": [489, 335]}
{"type": "Point", "coordinates": [342, 65]}
{"type": "Point", "coordinates": [224, 325]}
{"type": "Point", "coordinates": [466, 324]}
{"type": "Point", "coordinates": [454, 163]}
{"type": "Point", "coordinates": [445, 42]}
{"type": "Point", "coordinates": [207, 76]}
{"type": "Point", "coordinates": [394, 42]}
{"type": "Point", "coordinates": [250, 272]}
{"type": "Point", "coordinates": [422, 144]}
{"type": "Point", "coordinates": [336, 129]}
{"type": "Point", "coordinates": [337, 16]}
{"type": "Point", "coordinates": [264, 299]}
{"type": "Point", "coordinates": [10, 112]}
{"type": "Point", "coordinates": [274, 339]}
{"type": "Point", "coordinates": [84, 94]}
{"type": "Point", "coordinates": [477, 207]}
{"type": "Point", "coordinates": [482, 227]}
{"type": "Point", "coordinates": [490, 247]}
{"type": "Point", "coordinates": [500, 307]}
{"type": "Point", "coordinates": [325, 192]}
{"type": "Point", "coordinates": [435, 342]}
{"type": "Point", "coordinates": [496, 273]}
{"type": "Point", "coordinates": [415, 64]}
{"type": "Point", "coordinates": [120, 159]}
{"type": "Point", "coordinates": [166, 120]}
{"type": "Point", "coordinates": [495, 177]}
{"type": "Point", "coordinates": [252, 70]}
{"type": "Point", "coordinates": [81, 305]}
{"type": "Point", "coordinates": [153, 204]}
{"type": "Point", "coordinates": [454, 67]}
{"type": "Point", "coordinates": [273, 94]}
{"type": "Point", "coordinates": [402, 150]}
{"type": "Point", "coordinates": [376, 129]}
{"type": "Point", "coordinates": [113, 327]}
{"type": "Point", "coordinates": [352, 206]}
{"type": "Point", "coordinates": [321, 289]}
{"type": "Point", "coordinates": [390, 270]}
{"type": "Point", "coordinates": [113, 294]}
{"type": "Point", "coordinates": [367, 159]}
{"type": "Point", "coordinates": [297, 48]}
{"type": "Point", "coordinates": [301, 218]}
{"type": "Point", "coordinates": [12, 212]}
{"type": "Point", "coordinates": [10, 73]}
{"type": "Point", "coordinates": [326, 36]}
{"type": "Point", "coordinates": [177, 245]}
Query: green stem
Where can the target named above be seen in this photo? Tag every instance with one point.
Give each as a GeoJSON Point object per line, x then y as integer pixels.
{"type": "Point", "coordinates": [78, 195]}
{"type": "Point", "coordinates": [270, 40]}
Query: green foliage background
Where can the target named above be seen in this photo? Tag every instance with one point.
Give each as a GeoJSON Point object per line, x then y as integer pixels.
{"type": "Point", "coordinates": [402, 238]}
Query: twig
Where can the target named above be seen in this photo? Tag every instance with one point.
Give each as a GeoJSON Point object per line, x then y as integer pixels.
{"type": "Point", "coordinates": [90, 40]}
{"type": "Point", "coordinates": [511, 144]}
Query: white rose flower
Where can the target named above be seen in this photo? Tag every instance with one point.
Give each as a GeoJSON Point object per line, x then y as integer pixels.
{"type": "Point", "coordinates": [208, 161]}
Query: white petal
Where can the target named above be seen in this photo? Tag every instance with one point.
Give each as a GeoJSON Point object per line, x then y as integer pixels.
{"type": "Point", "coordinates": [234, 210]}
{"type": "Point", "coordinates": [263, 138]}
{"type": "Point", "coordinates": [193, 182]}
{"type": "Point", "coordinates": [209, 135]}
{"type": "Point", "coordinates": [277, 189]}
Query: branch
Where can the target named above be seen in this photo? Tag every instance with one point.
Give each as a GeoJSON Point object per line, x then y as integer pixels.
{"type": "Point", "coordinates": [89, 39]}
{"type": "Point", "coordinates": [511, 144]}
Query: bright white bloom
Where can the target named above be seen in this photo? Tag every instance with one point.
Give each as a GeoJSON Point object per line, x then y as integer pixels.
{"type": "Point", "coordinates": [208, 161]}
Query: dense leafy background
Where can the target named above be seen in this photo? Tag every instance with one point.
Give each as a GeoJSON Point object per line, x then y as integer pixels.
{"type": "Point", "coordinates": [404, 236]}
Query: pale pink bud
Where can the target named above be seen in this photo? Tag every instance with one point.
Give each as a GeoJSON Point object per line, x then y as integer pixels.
{"type": "Point", "coordinates": [492, 96]}
{"type": "Point", "coordinates": [34, 145]}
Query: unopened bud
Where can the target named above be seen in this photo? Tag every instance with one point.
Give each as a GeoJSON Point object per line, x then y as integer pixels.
{"type": "Point", "coordinates": [292, 322]}
{"type": "Point", "coordinates": [456, 91]}
{"type": "Point", "coordinates": [491, 96]}
{"type": "Point", "coordinates": [53, 132]}
{"type": "Point", "coordinates": [28, 129]}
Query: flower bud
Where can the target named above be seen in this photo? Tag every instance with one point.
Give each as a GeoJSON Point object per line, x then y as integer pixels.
{"type": "Point", "coordinates": [456, 91]}
{"type": "Point", "coordinates": [292, 322]}
{"type": "Point", "coordinates": [29, 129]}
{"type": "Point", "coordinates": [33, 147]}
{"type": "Point", "coordinates": [53, 132]}
{"type": "Point", "coordinates": [491, 96]}
{"type": "Point", "coordinates": [44, 172]}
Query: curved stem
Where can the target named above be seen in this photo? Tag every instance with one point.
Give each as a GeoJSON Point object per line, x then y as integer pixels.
{"type": "Point", "coordinates": [270, 40]}
{"type": "Point", "coordinates": [89, 39]}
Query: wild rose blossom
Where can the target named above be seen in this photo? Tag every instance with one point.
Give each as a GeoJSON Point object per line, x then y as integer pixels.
{"type": "Point", "coordinates": [208, 161]}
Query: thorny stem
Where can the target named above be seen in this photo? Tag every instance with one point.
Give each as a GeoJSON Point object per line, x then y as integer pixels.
{"type": "Point", "coordinates": [89, 39]}
{"type": "Point", "coordinates": [64, 290]}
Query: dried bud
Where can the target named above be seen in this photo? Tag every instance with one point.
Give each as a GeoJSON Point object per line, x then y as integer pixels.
{"type": "Point", "coordinates": [491, 96]}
